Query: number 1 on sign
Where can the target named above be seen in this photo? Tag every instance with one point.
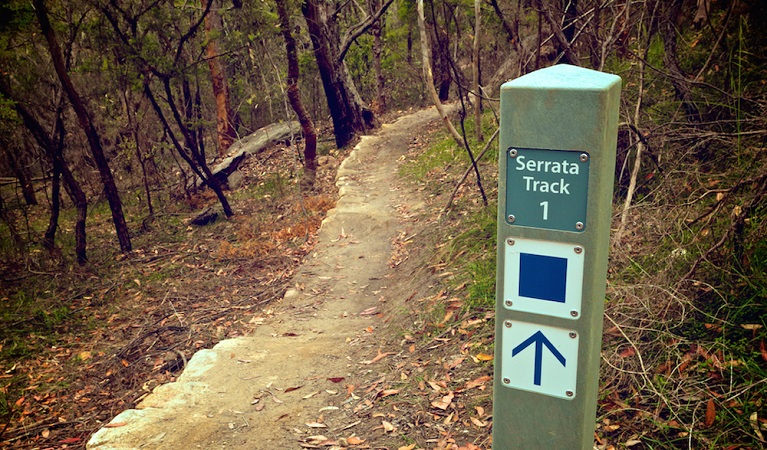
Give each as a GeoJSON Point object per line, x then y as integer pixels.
{"type": "Point", "coordinates": [545, 210]}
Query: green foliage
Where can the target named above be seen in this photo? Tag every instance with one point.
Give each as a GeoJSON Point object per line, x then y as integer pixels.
{"type": "Point", "coordinates": [8, 116]}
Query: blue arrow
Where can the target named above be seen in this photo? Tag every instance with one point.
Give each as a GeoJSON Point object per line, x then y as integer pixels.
{"type": "Point", "coordinates": [540, 340]}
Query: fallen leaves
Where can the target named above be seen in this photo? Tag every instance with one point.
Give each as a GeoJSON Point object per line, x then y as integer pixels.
{"type": "Point", "coordinates": [480, 382]}
{"type": "Point", "coordinates": [710, 414]}
{"type": "Point", "coordinates": [378, 357]}
{"type": "Point", "coordinates": [444, 402]}
{"type": "Point", "coordinates": [484, 357]}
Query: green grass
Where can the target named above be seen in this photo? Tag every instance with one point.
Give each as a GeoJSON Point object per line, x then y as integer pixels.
{"type": "Point", "coordinates": [473, 253]}
{"type": "Point", "coordinates": [471, 235]}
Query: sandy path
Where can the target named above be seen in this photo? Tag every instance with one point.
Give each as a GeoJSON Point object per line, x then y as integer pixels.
{"type": "Point", "coordinates": [242, 393]}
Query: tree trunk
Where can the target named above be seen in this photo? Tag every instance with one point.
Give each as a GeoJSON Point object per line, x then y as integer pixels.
{"type": "Point", "coordinates": [429, 77]}
{"type": "Point", "coordinates": [564, 47]}
{"type": "Point", "coordinates": [224, 115]}
{"type": "Point", "coordinates": [54, 150]}
{"type": "Point", "coordinates": [439, 62]}
{"type": "Point", "coordinates": [376, 30]}
{"type": "Point", "coordinates": [25, 181]}
{"type": "Point", "coordinates": [131, 109]}
{"type": "Point", "coordinates": [475, 72]}
{"type": "Point", "coordinates": [568, 29]}
{"type": "Point", "coordinates": [349, 115]}
{"type": "Point", "coordinates": [294, 96]}
{"type": "Point", "coordinates": [94, 142]}
{"type": "Point", "coordinates": [433, 92]}
{"type": "Point", "coordinates": [510, 35]}
{"type": "Point", "coordinates": [197, 158]}
{"type": "Point", "coordinates": [677, 76]}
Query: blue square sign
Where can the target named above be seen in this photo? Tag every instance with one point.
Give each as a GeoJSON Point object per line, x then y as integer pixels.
{"type": "Point", "coordinates": [542, 277]}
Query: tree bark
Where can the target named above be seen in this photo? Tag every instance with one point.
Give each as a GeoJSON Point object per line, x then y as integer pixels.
{"type": "Point", "coordinates": [429, 77]}
{"type": "Point", "coordinates": [350, 116]}
{"type": "Point", "coordinates": [84, 119]}
{"type": "Point", "coordinates": [376, 30]}
{"type": "Point", "coordinates": [49, 238]}
{"type": "Point", "coordinates": [677, 76]}
{"type": "Point", "coordinates": [225, 120]}
{"type": "Point", "coordinates": [17, 167]}
{"type": "Point", "coordinates": [475, 71]}
{"type": "Point", "coordinates": [510, 35]}
{"type": "Point", "coordinates": [55, 151]}
{"type": "Point", "coordinates": [568, 30]}
{"type": "Point", "coordinates": [439, 61]}
{"type": "Point", "coordinates": [563, 43]}
{"type": "Point", "coordinates": [197, 158]}
{"type": "Point", "coordinates": [294, 96]}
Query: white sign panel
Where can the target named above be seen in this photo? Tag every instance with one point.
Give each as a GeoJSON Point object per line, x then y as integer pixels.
{"type": "Point", "coordinates": [543, 277]}
{"type": "Point", "coordinates": [539, 358]}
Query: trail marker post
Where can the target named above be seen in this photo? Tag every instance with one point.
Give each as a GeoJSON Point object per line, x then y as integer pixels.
{"type": "Point", "coordinates": [557, 158]}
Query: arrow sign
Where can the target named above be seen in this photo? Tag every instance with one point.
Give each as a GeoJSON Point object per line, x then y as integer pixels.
{"type": "Point", "coordinates": [539, 339]}
{"type": "Point", "coordinates": [527, 369]}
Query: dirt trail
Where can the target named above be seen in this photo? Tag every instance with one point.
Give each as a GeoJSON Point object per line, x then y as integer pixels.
{"type": "Point", "coordinates": [242, 393]}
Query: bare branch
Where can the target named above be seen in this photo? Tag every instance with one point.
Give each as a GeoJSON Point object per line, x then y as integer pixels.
{"type": "Point", "coordinates": [358, 30]}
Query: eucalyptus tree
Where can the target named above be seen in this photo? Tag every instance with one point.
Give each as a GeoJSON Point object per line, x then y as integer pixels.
{"type": "Point", "coordinates": [294, 96]}
{"type": "Point", "coordinates": [225, 116]}
{"type": "Point", "coordinates": [35, 98]}
{"type": "Point", "coordinates": [162, 41]}
{"type": "Point", "coordinates": [86, 123]}
{"type": "Point", "coordinates": [349, 112]}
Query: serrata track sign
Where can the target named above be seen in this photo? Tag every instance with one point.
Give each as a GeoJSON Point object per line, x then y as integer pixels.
{"type": "Point", "coordinates": [547, 188]}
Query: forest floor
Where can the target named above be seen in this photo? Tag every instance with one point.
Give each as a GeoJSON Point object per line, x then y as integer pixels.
{"type": "Point", "coordinates": [328, 361]}
{"type": "Point", "coordinates": [355, 316]}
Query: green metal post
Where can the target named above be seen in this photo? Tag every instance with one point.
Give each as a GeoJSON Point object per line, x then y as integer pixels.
{"type": "Point", "coordinates": [557, 159]}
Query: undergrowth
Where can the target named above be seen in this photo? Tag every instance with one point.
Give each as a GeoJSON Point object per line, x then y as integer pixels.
{"type": "Point", "coordinates": [684, 357]}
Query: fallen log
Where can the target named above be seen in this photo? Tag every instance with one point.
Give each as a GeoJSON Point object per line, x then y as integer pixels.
{"type": "Point", "coordinates": [253, 144]}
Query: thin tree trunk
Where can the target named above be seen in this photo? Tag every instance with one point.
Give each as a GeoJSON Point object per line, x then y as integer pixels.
{"type": "Point", "coordinates": [134, 127]}
{"type": "Point", "coordinates": [565, 49]}
{"type": "Point", "coordinates": [568, 29]}
{"type": "Point", "coordinates": [294, 96]}
{"type": "Point", "coordinates": [55, 153]}
{"type": "Point", "coordinates": [677, 76]}
{"type": "Point", "coordinates": [440, 56]}
{"type": "Point", "coordinates": [376, 30]}
{"type": "Point", "coordinates": [429, 77]}
{"type": "Point", "coordinates": [197, 159]}
{"type": "Point", "coordinates": [226, 132]}
{"type": "Point", "coordinates": [640, 146]}
{"type": "Point", "coordinates": [475, 71]}
{"type": "Point", "coordinates": [94, 142]}
{"type": "Point", "coordinates": [49, 238]}
{"type": "Point", "coordinates": [506, 26]}
{"type": "Point", "coordinates": [460, 140]}
{"type": "Point", "coordinates": [27, 189]}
